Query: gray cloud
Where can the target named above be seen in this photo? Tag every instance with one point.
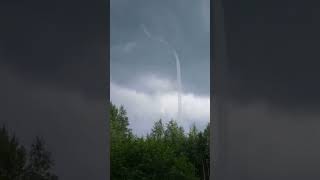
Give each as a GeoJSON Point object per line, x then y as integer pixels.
{"type": "Point", "coordinates": [143, 71]}
{"type": "Point", "coordinates": [267, 142]}
{"type": "Point", "coordinates": [53, 80]}
{"type": "Point", "coordinates": [70, 122]}
{"type": "Point", "coordinates": [158, 99]}
{"type": "Point", "coordinates": [270, 127]}
{"type": "Point", "coordinates": [183, 23]}
{"type": "Point", "coordinates": [272, 54]}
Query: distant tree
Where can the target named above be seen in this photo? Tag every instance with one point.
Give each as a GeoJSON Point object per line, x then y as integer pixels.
{"type": "Point", "coordinates": [17, 164]}
{"type": "Point", "coordinates": [119, 122]}
{"type": "Point", "coordinates": [158, 130]}
{"type": "Point", "coordinates": [121, 137]}
{"type": "Point", "coordinates": [40, 162]}
{"type": "Point", "coordinates": [12, 157]}
{"type": "Point", "coordinates": [202, 150]}
{"type": "Point", "coordinates": [173, 133]}
{"type": "Point", "coordinates": [191, 148]}
{"type": "Point", "coordinates": [167, 153]}
{"type": "Point", "coordinates": [193, 133]}
{"type": "Point", "coordinates": [206, 150]}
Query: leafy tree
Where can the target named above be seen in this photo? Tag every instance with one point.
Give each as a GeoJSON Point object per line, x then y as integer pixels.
{"type": "Point", "coordinates": [120, 135]}
{"type": "Point", "coordinates": [12, 157]}
{"type": "Point", "coordinates": [17, 164]}
{"type": "Point", "coordinates": [158, 130]}
{"type": "Point", "coordinates": [167, 153]}
{"type": "Point", "coordinates": [40, 162]}
{"type": "Point", "coordinates": [119, 123]}
{"type": "Point", "coordinates": [174, 136]}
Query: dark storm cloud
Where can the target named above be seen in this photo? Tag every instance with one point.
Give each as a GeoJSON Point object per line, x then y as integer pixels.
{"type": "Point", "coordinates": [43, 40]}
{"type": "Point", "coordinates": [53, 58]}
{"type": "Point", "coordinates": [265, 142]}
{"type": "Point", "coordinates": [143, 70]}
{"type": "Point", "coordinates": [267, 124]}
{"type": "Point", "coordinates": [72, 125]}
{"type": "Point", "coordinates": [272, 49]}
{"type": "Point", "coordinates": [185, 24]}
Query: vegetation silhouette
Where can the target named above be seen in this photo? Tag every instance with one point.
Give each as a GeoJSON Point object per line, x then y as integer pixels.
{"type": "Point", "coordinates": [16, 163]}
{"type": "Point", "coordinates": [167, 153]}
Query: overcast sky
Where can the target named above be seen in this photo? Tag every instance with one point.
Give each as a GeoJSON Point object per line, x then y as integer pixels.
{"type": "Point", "coordinates": [53, 73]}
{"type": "Point", "coordinates": [143, 71]}
{"type": "Point", "coordinates": [272, 105]}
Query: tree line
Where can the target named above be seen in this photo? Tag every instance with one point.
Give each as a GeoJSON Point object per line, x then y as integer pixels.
{"type": "Point", "coordinates": [166, 153]}
{"type": "Point", "coordinates": [17, 163]}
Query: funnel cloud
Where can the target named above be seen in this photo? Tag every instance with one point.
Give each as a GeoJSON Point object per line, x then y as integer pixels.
{"type": "Point", "coordinates": [177, 65]}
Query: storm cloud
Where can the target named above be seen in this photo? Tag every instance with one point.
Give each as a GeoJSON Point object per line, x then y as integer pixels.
{"type": "Point", "coordinates": [268, 96]}
{"type": "Point", "coordinates": [53, 66]}
{"type": "Point", "coordinates": [158, 100]}
{"type": "Point", "coordinates": [143, 71]}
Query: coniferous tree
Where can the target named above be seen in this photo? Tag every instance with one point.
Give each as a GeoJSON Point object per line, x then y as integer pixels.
{"type": "Point", "coordinates": [164, 154]}
{"type": "Point", "coordinates": [40, 162]}
{"type": "Point", "coordinates": [12, 157]}
{"type": "Point", "coordinates": [158, 130]}
{"type": "Point", "coordinates": [17, 164]}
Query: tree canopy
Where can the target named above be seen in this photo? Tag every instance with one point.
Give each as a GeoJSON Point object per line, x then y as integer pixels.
{"type": "Point", "coordinates": [166, 153]}
{"type": "Point", "coordinates": [16, 163]}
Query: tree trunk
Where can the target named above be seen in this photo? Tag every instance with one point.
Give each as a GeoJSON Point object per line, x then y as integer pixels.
{"type": "Point", "coordinates": [208, 168]}
{"type": "Point", "coordinates": [204, 172]}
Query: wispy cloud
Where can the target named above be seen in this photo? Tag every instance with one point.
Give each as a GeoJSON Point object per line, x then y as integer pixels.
{"type": "Point", "coordinates": [129, 46]}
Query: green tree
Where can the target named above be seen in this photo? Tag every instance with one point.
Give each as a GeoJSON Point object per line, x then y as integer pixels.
{"type": "Point", "coordinates": [119, 123]}
{"type": "Point", "coordinates": [17, 164]}
{"type": "Point", "coordinates": [121, 138]}
{"type": "Point", "coordinates": [201, 153]}
{"type": "Point", "coordinates": [40, 162]}
{"type": "Point", "coordinates": [174, 136]}
{"type": "Point", "coordinates": [167, 153]}
{"type": "Point", "coordinates": [158, 130]}
{"type": "Point", "coordinates": [12, 157]}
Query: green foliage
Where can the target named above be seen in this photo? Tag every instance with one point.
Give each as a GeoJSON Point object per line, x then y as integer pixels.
{"type": "Point", "coordinates": [119, 123]}
{"type": "Point", "coordinates": [167, 153]}
{"type": "Point", "coordinates": [12, 156]}
{"type": "Point", "coordinates": [158, 130]}
{"type": "Point", "coordinates": [40, 162]}
{"type": "Point", "coordinates": [17, 164]}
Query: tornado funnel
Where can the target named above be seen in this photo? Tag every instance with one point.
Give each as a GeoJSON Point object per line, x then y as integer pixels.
{"type": "Point", "coordinates": [176, 56]}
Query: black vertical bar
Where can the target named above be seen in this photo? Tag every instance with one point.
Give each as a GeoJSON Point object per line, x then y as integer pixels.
{"type": "Point", "coordinates": [218, 93]}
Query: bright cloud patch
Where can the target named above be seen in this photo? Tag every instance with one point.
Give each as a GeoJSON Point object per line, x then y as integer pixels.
{"type": "Point", "coordinates": [160, 101]}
